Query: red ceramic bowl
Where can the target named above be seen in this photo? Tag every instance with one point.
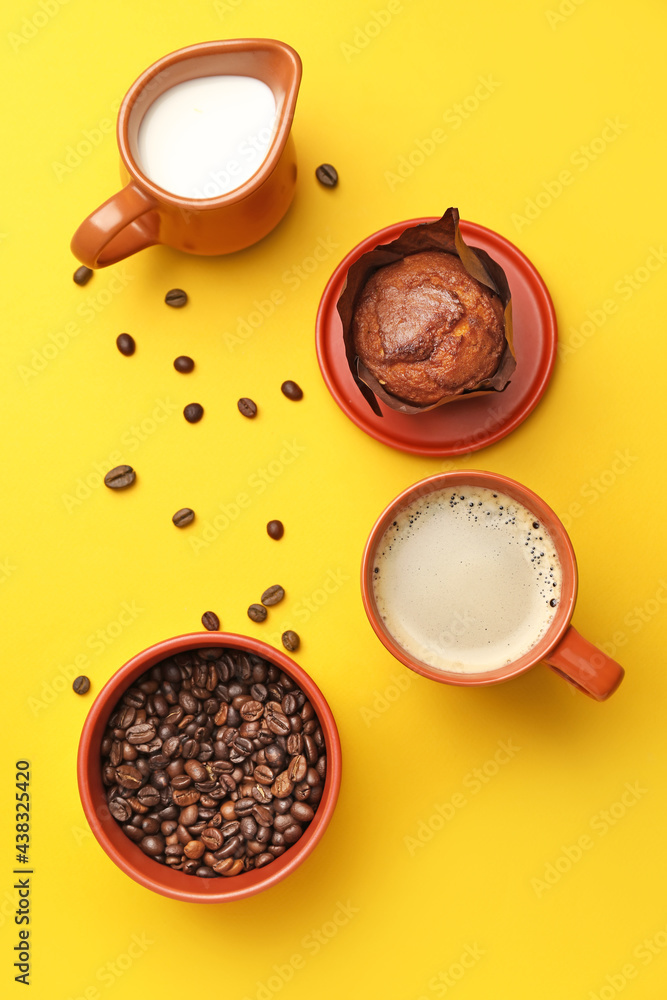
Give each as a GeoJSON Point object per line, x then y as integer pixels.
{"type": "Point", "coordinates": [127, 855]}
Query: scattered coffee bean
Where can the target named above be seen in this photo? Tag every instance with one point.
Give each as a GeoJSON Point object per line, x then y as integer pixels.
{"type": "Point", "coordinates": [82, 275]}
{"type": "Point", "coordinates": [247, 407]}
{"type": "Point", "coordinates": [210, 621]}
{"type": "Point", "coordinates": [120, 477]}
{"type": "Point", "coordinates": [176, 297]}
{"type": "Point", "coordinates": [230, 808]}
{"type": "Point", "coordinates": [327, 175]}
{"type": "Point", "coordinates": [183, 516]}
{"type": "Point", "coordinates": [257, 613]}
{"type": "Point", "coordinates": [275, 529]}
{"type": "Point", "coordinates": [272, 595]}
{"type": "Point", "coordinates": [193, 412]}
{"type": "Point", "coordinates": [291, 390]}
{"type": "Point", "coordinates": [184, 364]}
{"type": "Point", "coordinates": [291, 641]}
{"type": "Point", "coordinates": [125, 344]}
{"type": "Point", "coordinates": [81, 684]}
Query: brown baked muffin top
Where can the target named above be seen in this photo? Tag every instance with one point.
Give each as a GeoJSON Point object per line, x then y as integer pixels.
{"type": "Point", "coordinates": [425, 328]}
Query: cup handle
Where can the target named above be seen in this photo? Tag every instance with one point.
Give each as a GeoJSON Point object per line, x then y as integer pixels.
{"type": "Point", "coordinates": [124, 224]}
{"type": "Point", "coordinates": [584, 665]}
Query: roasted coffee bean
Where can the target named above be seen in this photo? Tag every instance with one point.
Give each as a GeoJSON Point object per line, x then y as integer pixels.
{"type": "Point", "coordinates": [81, 685]}
{"type": "Point", "coordinates": [282, 786]}
{"type": "Point", "coordinates": [152, 845]}
{"type": "Point", "coordinates": [82, 275]}
{"type": "Point", "coordinates": [184, 364]}
{"type": "Point", "coordinates": [183, 517]}
{"type": "Point", "coordinates": [212, 838]}
{"type": "Point", "coordinates": [257, 613]}
{"type": "Point", "coordinates": [125, 344]}
{"type": "Point", "coordinates": [193, 412]}
{"type": "Point", "coordinates": [196, 770]}
{"type": "Point", "coordinates": [292, 833]}
{"type": "Point", "coordinates": [291, 390]}
{"type": "Point", "coordinates": [327, 175]}
{"type": "Point", "coordinates": [263, 859]}
{"type": "Point", "coordinates": [272, 595]}
{"type": "Point", "coordinates": [290, 640]}
{"type": "Point", "coordinates": [176, 297]}
{"type": "Point", "coordinates": [297, 767]}
{"type": "Point", "coordinates": [120, 477]}
{"type": "Point", "coordinates": [247, 407]}
{"type": "Point", "coordinates": [141, 733]}
{"type": "Point", "coordinates": [275, 530]}
{"type": "Point", "coordinates": [120, 809]}
{"type": "Point", "coordinates": [128, 776]}
{"type": "Point", "coordinates": [219, 771]}
{"type": "Point", "coordinates": [251, 710]}
{"type": "Point", "coordinates": [210, 621]}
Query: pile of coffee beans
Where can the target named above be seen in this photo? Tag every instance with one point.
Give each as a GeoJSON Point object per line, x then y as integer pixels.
{"type": "Point", "coordinates": [214, 762]}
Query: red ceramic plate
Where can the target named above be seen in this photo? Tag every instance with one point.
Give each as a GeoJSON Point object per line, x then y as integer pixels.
{"type": "Point", "coordinates": [470, 424]}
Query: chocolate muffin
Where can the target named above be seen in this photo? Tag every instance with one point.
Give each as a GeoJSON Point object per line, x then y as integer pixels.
{"type": "Point", "coordinates": [425, 328]}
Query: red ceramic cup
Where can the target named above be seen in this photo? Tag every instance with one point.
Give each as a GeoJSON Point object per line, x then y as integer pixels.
{"type": "Point", "coordinates": [126, 854]}
{"type": "Point", "coordinates": [562, 647]}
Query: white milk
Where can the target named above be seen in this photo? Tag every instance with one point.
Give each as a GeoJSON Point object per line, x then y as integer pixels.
{"type": "Point", "coordinates": [205, 137]}
{"type": "Point", "coordinates": [465, 582]}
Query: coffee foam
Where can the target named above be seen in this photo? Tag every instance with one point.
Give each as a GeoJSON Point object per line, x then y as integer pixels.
{"type": "Point", "coordinates": [467, 580]}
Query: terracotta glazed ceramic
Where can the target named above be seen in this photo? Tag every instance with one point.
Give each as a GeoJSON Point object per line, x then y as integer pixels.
{"type": "Point", "coordinates": [143, 214]}
{"type": "Point", "coordinates": [126, 854]}
{"type": "Point", "coordinates": [562, 647]}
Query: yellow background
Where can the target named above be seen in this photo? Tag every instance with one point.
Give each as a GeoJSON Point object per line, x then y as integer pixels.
{"type": "Point", "coordinates": [596, 441]}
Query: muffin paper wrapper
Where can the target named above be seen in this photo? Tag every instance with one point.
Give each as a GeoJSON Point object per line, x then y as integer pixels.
{"type": "Point", "coordinates": [443, 235]}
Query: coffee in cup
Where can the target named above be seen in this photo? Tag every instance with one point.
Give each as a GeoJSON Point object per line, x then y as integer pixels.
{"type": "Point", "coordinates": [470, 578]}
{"type": "Point", "coordinates": [466, 579]}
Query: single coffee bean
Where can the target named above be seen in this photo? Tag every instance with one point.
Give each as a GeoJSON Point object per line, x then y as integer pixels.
{"type": "Point", "coordinates": [247, 407]}
{"type": "Point", "coordinates": [194, 849]}
{"type": "Point", "coordinates": [211, 838]}
{"type": "Point", "coordinates": [82, 275]}
{"type": "Point", "coordinates": [81, 684]}
{"type": "Point", "coordinates": [120, 809]}
{"type": "Point", "coordinates": [125, 344]}
{"type": "Point", "coordinates": [302, 812]}
{"type": "Point", "coordinates": [291, 640]}
{"type": "Point", "coordinates": [120, 477]}
{"type": "Point", "coordinates": [193, 413]}
{"type": "Point", "coordinates": [128, 776]}
{"type": "Point", "coordinates": [297, 768]}
{"type": "Point", "coordinates": [143, 732]}
{"type": "Point", "coordinates": [292, 833]}
{"type": "Point", "coordinates": [184, 364]}
{"type": "Point", "coordinates": [257, 613]}
{"type": "Point", "coordinates": [176, 297]}
{"type": "Point", "coordinates": [263, 859]}
{"type": "Point", "coordinates": [210, 621]}
{"type": "Point", "coordinates": [292, 390]}
{"type": "Point", "coordinates": [205, 872]}
{"type": "Point", "coordinates": [272, 595]}
{"type": "Point", "coordinates": [282, 786]}
{"type": "Point", "coordinates": [183, 516]}
{"type": "Point", "coordinates": [275, 530]}
{"type": "Point", "coordinates": [327, 175]}
{"type": "Point", "coordinates": [152, 845]}
{"type": "Point", "coordinates": [251, 710]}
{"type": "Point", "coordinates": [196, 770]}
